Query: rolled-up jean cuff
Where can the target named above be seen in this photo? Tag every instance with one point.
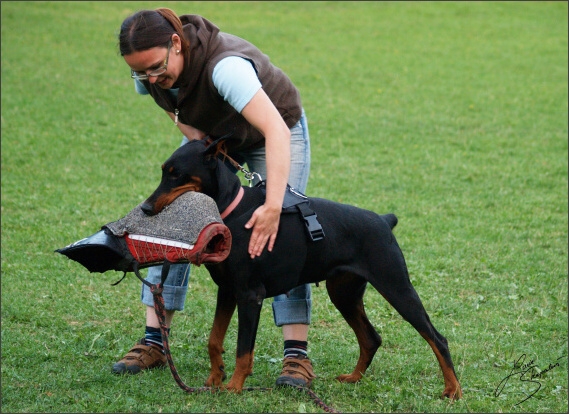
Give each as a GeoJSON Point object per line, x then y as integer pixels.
{"type": "Point", "coordinates": [175, 287]}
{"type": "Point", "coordinates": [287, 312]}
{"type": "Point", "coordinates": [174, 297]}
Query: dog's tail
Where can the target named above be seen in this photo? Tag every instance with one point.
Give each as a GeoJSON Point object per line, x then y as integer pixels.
{"type": "Point", "coordinates": [391, 219]}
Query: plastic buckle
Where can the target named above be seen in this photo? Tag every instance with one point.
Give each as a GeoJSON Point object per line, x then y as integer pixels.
{"type": "Point", "coordinates": [314, 228]}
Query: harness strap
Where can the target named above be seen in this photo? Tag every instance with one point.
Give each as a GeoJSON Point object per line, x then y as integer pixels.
{"type": "Point", "coordinates": [292, 198]}
{"type": "Point", "coordinates": [315, 231]}
{"type": "Point", "coordinates": [294, 201]}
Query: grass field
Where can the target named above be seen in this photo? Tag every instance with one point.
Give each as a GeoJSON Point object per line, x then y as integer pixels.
{"type": "Point", "coordinates": [452, 115]}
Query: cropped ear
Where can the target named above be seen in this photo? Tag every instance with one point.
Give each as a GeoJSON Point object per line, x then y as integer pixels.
{"type": "Point", "coordinates": [216, 145]}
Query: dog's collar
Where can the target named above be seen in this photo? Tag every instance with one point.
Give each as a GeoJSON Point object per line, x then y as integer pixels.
{"type": "Point", "coordinates": [233, 204]}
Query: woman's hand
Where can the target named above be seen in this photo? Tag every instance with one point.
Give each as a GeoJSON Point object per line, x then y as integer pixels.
{"type": "Point", "coordinates": [265, 225]}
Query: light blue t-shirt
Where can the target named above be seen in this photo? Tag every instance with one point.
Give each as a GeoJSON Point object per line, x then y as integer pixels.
{"type": "Point", "coordinates": [235, 79]}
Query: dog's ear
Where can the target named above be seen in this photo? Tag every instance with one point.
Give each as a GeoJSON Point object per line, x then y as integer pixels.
{"type": "Point", "coordinates": [216, 145]}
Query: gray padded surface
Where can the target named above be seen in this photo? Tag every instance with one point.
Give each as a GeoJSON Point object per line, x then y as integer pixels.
{"type": "Point", "coordinates": [180, 221]}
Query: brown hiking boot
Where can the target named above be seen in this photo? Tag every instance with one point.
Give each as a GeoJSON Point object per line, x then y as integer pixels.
{"type": "Point", "coordinates": [297, 372]}
{"type": "Point", "coordinates": [140, 357]}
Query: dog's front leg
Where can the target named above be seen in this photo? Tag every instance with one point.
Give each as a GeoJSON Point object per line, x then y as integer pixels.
{"type": "Point", "coordinates": [249, 312]}
{"type": "Point", "coordinates": [224, 309]}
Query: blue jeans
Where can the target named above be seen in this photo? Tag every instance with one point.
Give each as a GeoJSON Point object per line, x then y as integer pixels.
{"type": "Point", "coordinates": [288, 309]}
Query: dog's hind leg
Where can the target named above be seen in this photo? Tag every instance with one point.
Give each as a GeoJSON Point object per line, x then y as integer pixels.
{"type": "Point", "coordinates": [346, 292]}
{"type": "Point", "coordinates": [396, 288]}
{"type": "Point", "coordinates": [412, 310]}
{"type": "Point", "coordinates": [224, 310]}
{"type": "Point", "coordinates": [440, 347]}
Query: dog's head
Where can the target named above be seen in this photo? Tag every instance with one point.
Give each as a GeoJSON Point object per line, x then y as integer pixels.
{"type": "Point", "coordinates": [194, 166]}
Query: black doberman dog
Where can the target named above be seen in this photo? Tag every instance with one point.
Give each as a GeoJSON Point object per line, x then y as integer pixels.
{"type": "Point", "coordinates": [358, 247]}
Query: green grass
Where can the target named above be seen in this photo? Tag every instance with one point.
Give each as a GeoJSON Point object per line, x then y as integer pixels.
{"type": "Point", "coordinates": [452, 115]}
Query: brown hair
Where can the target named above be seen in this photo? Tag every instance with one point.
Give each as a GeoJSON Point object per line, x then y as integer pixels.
{"type": "Point", "coordinates": [146, 29]}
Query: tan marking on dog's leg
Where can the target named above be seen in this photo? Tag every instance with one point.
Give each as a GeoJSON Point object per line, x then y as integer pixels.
{"type": "Point", "coordinates": [224, 312]}
{"type": "Point", "coordinates": [452, 387]}
{"type": "Point", "coordinates": [243, 368]}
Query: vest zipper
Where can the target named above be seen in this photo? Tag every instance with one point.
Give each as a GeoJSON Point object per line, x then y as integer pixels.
{"type": "Point", "coordinates": [176, 118]}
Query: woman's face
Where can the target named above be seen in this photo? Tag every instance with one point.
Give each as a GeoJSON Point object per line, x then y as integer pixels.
{"type": "Point", "coordinates": [149, 60]}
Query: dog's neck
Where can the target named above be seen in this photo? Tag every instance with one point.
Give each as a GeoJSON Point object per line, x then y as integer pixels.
{"type": "Point", "coordinates": [229, 190]}
{"type": "Point", "coordinates": [233, 204]}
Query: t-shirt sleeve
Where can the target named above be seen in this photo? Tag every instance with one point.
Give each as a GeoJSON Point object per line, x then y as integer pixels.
{"type": "Point", "coordinates": [140, 88]}
{"type": "Point", "coordinates": [236, 81]}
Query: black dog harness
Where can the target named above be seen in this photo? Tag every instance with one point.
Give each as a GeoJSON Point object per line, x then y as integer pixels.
{"type": "Point", "coordinates": [296, 202]}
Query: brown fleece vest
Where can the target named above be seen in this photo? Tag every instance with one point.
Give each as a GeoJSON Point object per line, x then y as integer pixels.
{"type": "Point", "coordinates": [199, 103]}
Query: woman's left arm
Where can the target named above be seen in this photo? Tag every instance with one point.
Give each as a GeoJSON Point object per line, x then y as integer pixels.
{"type": "Point", "coordinates": [264, 116]}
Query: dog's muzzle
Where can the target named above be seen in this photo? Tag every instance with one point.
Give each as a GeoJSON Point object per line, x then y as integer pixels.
{"type": "Point", "coordinates": [189, 230]}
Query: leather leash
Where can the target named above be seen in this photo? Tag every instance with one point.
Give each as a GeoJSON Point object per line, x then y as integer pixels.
{"type": "Point", "coordinates": [156, 290]}
{"type": "Point", "coordinates": [249, 176]}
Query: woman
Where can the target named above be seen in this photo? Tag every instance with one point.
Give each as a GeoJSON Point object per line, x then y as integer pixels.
{"type": "Point", "coordinates": [213, 83]}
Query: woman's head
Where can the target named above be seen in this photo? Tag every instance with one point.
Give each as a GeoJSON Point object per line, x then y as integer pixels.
{"type": "Point", "coordinates": [146, 29]}
{"type": "Point", "coordinates": [151, 42]}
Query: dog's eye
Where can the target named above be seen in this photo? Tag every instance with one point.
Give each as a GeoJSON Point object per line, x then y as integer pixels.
{"type": "Point", "coordinates": [173, 174]}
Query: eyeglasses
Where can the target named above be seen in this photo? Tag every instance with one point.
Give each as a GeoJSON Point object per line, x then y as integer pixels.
{"type": "Point", "coordinates": [154, 72]}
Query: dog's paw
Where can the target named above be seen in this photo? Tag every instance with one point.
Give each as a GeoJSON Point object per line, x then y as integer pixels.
{"type": "Point", "coordinates": [349, 378]}
{"type": "Point", "coordinates": [453, 393]}
{"type": "Point", "coordinates": [215, 379]}
{"type": "Point", "coordinates": [233, 388]}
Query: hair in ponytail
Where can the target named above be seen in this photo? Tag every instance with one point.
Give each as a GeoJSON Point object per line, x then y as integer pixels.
{"type": "Point", "coordinates": [146, 29]}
